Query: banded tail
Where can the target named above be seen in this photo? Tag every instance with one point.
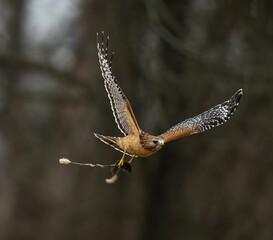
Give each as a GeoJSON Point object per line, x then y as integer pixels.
{"type": "Point", "coordinates": [111, 141]}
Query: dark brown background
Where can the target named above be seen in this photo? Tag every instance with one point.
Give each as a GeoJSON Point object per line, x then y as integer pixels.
{"type": "Point", "coordinates": [173, 59]}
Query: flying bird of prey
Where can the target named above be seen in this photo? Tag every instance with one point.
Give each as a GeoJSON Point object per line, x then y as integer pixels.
{"type": "Point", "coordinates": [136, 142]}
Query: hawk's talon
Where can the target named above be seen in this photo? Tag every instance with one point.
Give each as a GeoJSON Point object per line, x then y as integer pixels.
{"type": "Point", "coordinates": [119, 165]}
{"type": "Point", "coordinates": [127, 167]}
{"type": "Point", "coordinates": [121, 161]}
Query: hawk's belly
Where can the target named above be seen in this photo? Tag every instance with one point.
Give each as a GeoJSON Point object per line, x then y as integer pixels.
{"type": "Point", "coordinates": [131, 143]}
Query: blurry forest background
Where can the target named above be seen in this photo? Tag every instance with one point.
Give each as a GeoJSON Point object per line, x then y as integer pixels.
{"type": "Point", "coordinates": [173, 59]}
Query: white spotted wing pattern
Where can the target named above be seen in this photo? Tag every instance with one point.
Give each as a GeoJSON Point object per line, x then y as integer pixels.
{"type": "Point", "coordinates": [138, 143]}
{"type": "Point", "coordinates": [120, 105]}
{"type": "Point", "coordinates": [215, 116]}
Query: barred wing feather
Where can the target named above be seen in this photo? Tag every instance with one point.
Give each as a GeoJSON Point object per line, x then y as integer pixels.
{"type": "Point", "coordinates": [206, 120]}
{"type": "Point", "coordinates": [120, 105]}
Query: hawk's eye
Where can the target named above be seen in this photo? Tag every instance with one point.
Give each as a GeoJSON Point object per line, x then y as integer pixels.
{"type": "Point", "coordinates": [155, 141]}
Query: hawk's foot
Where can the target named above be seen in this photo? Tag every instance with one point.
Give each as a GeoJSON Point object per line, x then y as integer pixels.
{"type": "Point", "coordinates": [121, 161]}
{"type": "Point", "coordinates": [126, 166]}
{"type": "Point", "coordinates": [121, 164]}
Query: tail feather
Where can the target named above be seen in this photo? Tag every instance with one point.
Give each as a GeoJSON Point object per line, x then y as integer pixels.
{"type": "Point", "coordinates": [111, 141]}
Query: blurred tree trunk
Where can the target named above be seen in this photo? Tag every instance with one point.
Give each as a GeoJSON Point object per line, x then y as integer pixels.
{"type": "Point", "coordinates": [9, 125]}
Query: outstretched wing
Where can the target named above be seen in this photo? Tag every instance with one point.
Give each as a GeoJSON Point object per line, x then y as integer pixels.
{"type": "Point", "coordinates": [206, 120]}
{"type": "Point", "coordinates": [120, 105]}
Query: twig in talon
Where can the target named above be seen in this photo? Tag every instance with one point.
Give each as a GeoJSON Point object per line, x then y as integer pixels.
{"type": "Point", "coordinates": [115, 169]}
{"type": "Point", "coordinates": [67, 161]}
{"type": "Point", "coordinates": [126, 167]}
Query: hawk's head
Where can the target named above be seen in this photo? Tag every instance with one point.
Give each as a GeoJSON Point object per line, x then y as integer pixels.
{"type": "Point", "coordinates": [152, 143]}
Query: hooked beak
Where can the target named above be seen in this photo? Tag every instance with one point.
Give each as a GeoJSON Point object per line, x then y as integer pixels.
{"type": "Point", "coordinates": [161, 142]}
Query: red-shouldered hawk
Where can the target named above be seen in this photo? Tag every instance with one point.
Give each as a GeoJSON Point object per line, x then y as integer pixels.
{"type": "Point", "coordinates": [136, 142]}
